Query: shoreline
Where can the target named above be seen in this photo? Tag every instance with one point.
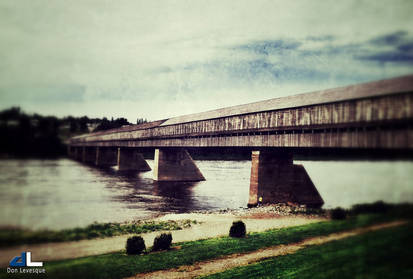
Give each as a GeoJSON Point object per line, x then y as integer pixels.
{"type": "Point", "coordinates": [259, 218]}
{"type": "Point", "coordinates": [259, 212]}
{"type": "Point", "coordinates": [272, 210]}
{"type": "Point", "coordinates": [273, 215]}
{"type": "Point", "coordinates": [210, 225]}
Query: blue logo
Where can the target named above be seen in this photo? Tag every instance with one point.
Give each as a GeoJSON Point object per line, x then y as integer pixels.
{"type": "Point", "coordinates": [25, 259]}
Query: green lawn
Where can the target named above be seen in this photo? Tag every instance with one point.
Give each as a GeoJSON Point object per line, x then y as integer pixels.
{"type": "Point", "coordinates": [119, 265]}
{"type": "Point", "coordinates": [386, 253]}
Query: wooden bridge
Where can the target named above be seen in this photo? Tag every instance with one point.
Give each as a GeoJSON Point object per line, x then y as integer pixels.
{"type": "Point", "coordinates": [376, 115]}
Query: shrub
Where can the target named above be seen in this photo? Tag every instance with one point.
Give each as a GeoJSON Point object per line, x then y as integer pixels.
{"type": "Point", "coordinates": [162, 242]}
{"type": "Point", "coordinates": [378, 207]}
{"type": "Point", "coordinates": [135, 245]}
{"type": "Point", "coordinates": [338, 214]}
{"type": "Point", "coordinates": [237, 229]}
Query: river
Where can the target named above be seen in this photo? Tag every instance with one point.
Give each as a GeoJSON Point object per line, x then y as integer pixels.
{"type": "Point", "coordinates": [63, 193]}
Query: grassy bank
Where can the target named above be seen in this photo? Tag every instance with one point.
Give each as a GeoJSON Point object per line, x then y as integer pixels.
{"type": "Point", "coordinates": [381, 254]}
{"type": "Point", "coordinates": [9, 237]}
{"type": "Point", "coordinates": [119, 265]}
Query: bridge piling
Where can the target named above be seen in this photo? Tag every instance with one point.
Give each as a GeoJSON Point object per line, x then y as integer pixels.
{"type": "Point", "coordinates": [175, 164]}
{"type": "Point", "coordinates": [275, 179]}
{"type": "Point", "coordinates": [88, 154]}
{"type": "Point", "coordinates": [106, 157]}
{"type": "Point", "coordinates": [78, 153]}
{"type": "Point", "coordinates": [69, 150]}
{"type": "Point", "coordinates": [129, 159]}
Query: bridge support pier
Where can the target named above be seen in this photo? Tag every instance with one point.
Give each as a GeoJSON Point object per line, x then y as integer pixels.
{"type": "Point", "coordinates": [129, 159]}
{"type": "Point", "coordinates": [77, 153]}
{"type": "Point", "coordinates": [70, 151]}
{"type": "Point", "coordinates": [106, 157]}
{"type": "Point", "coordinates": [275, 179]}
{"type": "Point", "coordinates": [88, 154]}
{"type": "Point", "coordinates": [175, 164]}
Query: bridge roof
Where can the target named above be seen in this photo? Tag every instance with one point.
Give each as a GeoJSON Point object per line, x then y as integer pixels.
{"type": "Point", "coordinates": [357, 91]}
{"type": "Point", "coordinates": [128, 128]}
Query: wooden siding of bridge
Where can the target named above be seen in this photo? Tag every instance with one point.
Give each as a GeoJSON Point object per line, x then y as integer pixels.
{"type": "Point", "coordinates": [365, 117]}
{"type": "Point", "coordinates": [356, 139]}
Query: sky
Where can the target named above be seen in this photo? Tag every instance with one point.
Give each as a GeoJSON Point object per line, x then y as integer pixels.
{"type": "Point", "coordinates": [159, 59]}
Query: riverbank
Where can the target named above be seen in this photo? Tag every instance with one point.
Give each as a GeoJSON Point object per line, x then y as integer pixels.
{"type": "Point", "coordinates": [195, 226]}
{"type": "Point", "coordinates": [275, 216]}
{"type": "Point", "coordinates": [12, 236]}
{"type": "Point", "coordinates": [117, 264]}
{"type": "Point", "coordinates": [206, 240]}
{"type": "Point", "coordinates": [199, 225]}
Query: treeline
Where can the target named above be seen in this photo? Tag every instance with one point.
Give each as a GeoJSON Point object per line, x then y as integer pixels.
{"type": "Point", "coordinates": [34, 135]}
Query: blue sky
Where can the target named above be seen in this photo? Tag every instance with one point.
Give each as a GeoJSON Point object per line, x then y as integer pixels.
{"type": "Point", "coordinates": [157, 59]}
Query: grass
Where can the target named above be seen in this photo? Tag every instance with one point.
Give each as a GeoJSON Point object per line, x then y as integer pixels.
{"type": "Point", "coordinates": [9, 237]}
{"type": "Point", "coordinates": [119, 265]}
{"type": "Point", "coordinates": [381, 254]}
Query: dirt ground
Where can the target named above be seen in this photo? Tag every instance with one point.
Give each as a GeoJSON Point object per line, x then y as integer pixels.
{"type": "Point", "coordinates": [211, 225]}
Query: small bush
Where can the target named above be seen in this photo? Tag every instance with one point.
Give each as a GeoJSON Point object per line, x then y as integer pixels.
{"type": "Point", "coordinates": [378, 207]}
{"type": "Point", "coordinates": [162, 242]}
{"type": "Point", "coordinates": [237, 229]}
{"type": "Point", "coordinates": [338, 214]}
{"type": "Point", "coordinates": [135, 245]}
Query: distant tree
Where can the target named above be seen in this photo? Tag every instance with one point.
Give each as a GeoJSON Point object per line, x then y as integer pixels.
{"type": "Point", "coordinates": [25, 135]}
{"type": "Point", "coordinates": [83, 121]}
{"type": "Point", "coordinates": [141, 121]}
{"type": "Point", "coordinates": [113, 124]}
{"type": "Point", "coordinates": [73, 124]}
{"type": "Point", "coordinates": [11, 113]}
{"type": "Point", "coordinates": [29, 135]}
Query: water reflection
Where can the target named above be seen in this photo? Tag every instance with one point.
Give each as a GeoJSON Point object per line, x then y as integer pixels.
{"type": "Point", "coordinates": [176, 196]}
{"type": "Point", "coordinates": [141, 192]}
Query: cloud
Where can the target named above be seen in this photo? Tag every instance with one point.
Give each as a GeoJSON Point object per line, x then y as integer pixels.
{"type": "Point", "coordinates": [392, 39]}
{"type": "Point", "coordinates": [268, 47]}
{"type": "Point", "coordinates": [390, 56]}
{"type": "Point", "coordinates": [155, 59]}
{"type": "Point", "coordinates": [292, 60]}
{"type": "Point", "coordinates": [395, 47]}
{"type": "Point", "coordinates": [324, 38]}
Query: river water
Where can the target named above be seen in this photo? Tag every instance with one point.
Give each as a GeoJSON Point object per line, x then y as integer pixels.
{"type": "Point", "coordinates": [63, 193]}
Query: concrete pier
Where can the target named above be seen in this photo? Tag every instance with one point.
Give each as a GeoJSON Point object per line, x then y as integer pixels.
{"type": "Point", "coordinates": [275, 179]}
{"type": "Point", "coordinates": [78, 153]}
{"type": "Point", "coordinates": [69, 151]}
{"type": "Point", "coordinates": [88, 154]}
{"type": "Point", "coordinates": [130, 159]}
{"type": "Point", "coordinates": [106, 157]}
{"type": "Point", "coordinates": [175, 164]}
